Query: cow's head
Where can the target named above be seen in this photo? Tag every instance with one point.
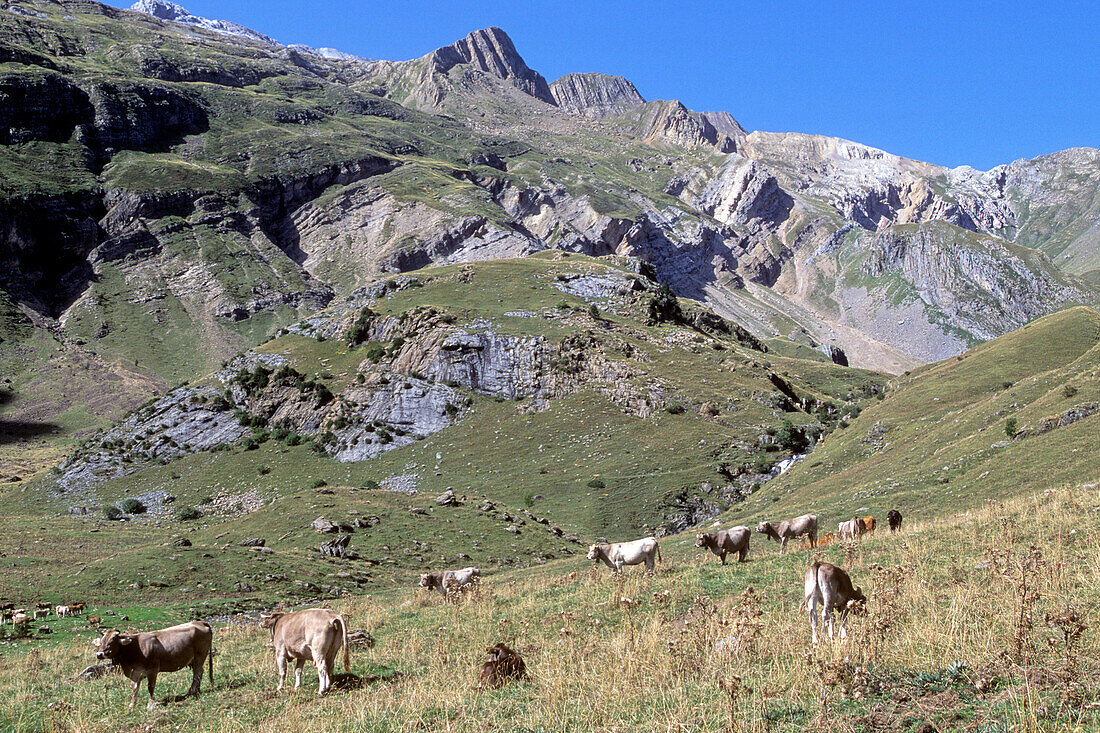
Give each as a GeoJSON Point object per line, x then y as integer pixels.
{"type": "Point", "coordinates": [425, 580]}
{"type": "Point", "coordinates": [268, 621]}
{"type": "Point", "coordinates": [112, 644]}
{"type": "Point", "coordinates": [593, 552]}
{"type": "Point", "coordinates": [763, 527]}
{"type": "Point", "coordinates": [700, 540]}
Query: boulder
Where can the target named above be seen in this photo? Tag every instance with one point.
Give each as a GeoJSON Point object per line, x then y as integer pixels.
{"type": "Point", "coordinates": [325, 526]}
{"type": "Point", "coordinates": [512, 528]}
{"type": "Point", "coordinates": [96, 671]}
{"type": "Point", "coordinates": [447, 498]}
{"type": "Point", "coordinates": [253, 542]}
{"type": "Point", "coordinates": [338, 547]}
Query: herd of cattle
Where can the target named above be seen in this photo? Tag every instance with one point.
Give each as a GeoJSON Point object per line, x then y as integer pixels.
{"type": "Point", "coordinates": [318, 634]}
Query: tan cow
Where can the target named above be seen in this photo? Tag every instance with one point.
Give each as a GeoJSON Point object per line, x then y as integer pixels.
{"type": "Point", "coordinates": [146, 655]}
{"type": "Point", "coordinates": [313, 634]}
{"type": "Point", "coordinates": [851, 530]}
{"type": "Point", "coordinates": [829, 588]}
{"type": "Point", "coordinates": [868, 525]}
{"type": "Point", "coordinates": [788, 529]}
{"type": "Point", "coordinates": [635, 552]}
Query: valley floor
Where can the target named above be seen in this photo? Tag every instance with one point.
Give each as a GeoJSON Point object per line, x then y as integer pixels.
{"type": "Point", "coordinates": [984, 620]}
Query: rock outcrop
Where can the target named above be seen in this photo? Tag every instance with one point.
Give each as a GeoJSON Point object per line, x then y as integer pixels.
{"type": "Point", "coordinates": [165, 10]}
{"type": "Point", "coordinates": [490, 50]}
{"type": "Point", "coordinates": [595, 95]}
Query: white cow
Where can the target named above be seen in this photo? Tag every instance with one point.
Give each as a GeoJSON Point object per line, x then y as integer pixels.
{"type": "Point", "coordinates": [617, 554]}
{"type": "Point", "coordinates": [448, 580]}
{"type": "Point", "coordinates": [850, 530]}
{"type": "Point", "coordinates": [62, 611]}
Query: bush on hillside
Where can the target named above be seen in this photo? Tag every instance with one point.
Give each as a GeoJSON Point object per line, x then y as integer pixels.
{"type": "Point", "coordinates": [359, 330]}
{"type": "Point", "coordinates": [112, 512]}
{"type": "Point", "coordinates": [597, 484]}
{"type": "Point", "coordinates": [187, 513]}
{"type": "Point", "coordinates": [131, 506]}
{"type": "Point", "coordinates": [664, 307]}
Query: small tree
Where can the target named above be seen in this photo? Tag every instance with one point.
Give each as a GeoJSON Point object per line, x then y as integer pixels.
{"type": "Point", "coordinates": [594, 311]}
{"type": "Point", "coordinates": [664, 307]}
{"type": "Point", "coordinates": [187, 513]}
{"type": "Point", "coordinates": [112, 512]}
{"type": "Point", "coordinates": [1010, 427]}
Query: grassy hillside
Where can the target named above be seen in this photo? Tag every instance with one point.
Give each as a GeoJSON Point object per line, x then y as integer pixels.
{"type": "Point", "coordinates": [939, 441]}
{"type": "Point", "coordinates": [945, 642]}
{"type": "Point", "coordinates": [638, 426]}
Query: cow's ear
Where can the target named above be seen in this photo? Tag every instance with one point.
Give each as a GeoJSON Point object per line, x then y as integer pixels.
{"type": "Point", "coordinates": [125, 640]}
{"type": "Point", "coordinates": [95, 643]}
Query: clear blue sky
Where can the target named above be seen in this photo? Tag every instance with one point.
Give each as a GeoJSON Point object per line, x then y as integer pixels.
{"type": "Point", "coordinates": [951, 83]}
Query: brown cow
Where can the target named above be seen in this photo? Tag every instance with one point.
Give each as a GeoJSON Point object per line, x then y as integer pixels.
{"type": "Point", "coordinates": [726, 542]}
{"type": "Point", "coordinates": [894, 518]}
{"type": "Point", "coordinates": [146, 655]}
{"type": "Point", "coordinates": [504, 664]}
{"type": "Point", "coordinates": [830, 588]}
{"type": "Point", "coordinates": [868, 525]}
{"type": "Point", "coordinates": [78, 607]}
{"type": "Point", "coordinates": [94, 620]}
{"type": "Point", "coordinates": [823, 541]}
{"type": "Point", "coordinates": [313, 634]}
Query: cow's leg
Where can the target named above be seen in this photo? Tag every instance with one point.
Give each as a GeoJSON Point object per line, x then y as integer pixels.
{"type": "Point", "coordinates": [196, 678]}
{"type": "Point", "coordinates": [813, 540]}
{"type": "Point", "coordinates": [722, 555]}
{"type": "Point", "coordinates": [134, 686]}
{"type": "Point", "coordinates": [152, 682]}
{"type": "Point", "coordinates": [298, 664]}
{"type": "Point", "coordinates": [843, 619]}
{"type": "Point", "coordinates": [811, 604]}
{"type": "Point", "coordinates": [280, 665]}
{"type": "Point", "coordinates": [782, 545]}
{"type": "Point", "coordinates": [322, 678]}
{"type": "Point", "coordinates": [743, 554]}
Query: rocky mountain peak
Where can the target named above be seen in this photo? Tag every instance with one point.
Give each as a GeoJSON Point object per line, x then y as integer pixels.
{"type": "Point", "coordinates": [595, 95]}
{"type": "Point", "coordinates": [492, 51]}
{"type": "Point", "coordinates": [165, 10]}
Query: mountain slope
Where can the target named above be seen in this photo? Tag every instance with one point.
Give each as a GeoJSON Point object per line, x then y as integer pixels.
{"type": "Point", "coordinates": [939, 441]}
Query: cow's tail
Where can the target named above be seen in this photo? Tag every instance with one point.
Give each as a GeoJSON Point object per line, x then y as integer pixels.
{"type": "Point", "coordinates": [209, 666]}
{"type": "Point", "coordinates": [339, 621]}
{"type": "Point", "coordinates": [659, 558]}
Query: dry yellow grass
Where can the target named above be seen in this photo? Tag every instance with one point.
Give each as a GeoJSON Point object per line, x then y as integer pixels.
{"type": "Point", "coordinates": [943, 640]}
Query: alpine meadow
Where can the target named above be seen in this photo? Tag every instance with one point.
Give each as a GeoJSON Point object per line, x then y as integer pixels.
{"type": "Point", "coordinates": [447, 398]}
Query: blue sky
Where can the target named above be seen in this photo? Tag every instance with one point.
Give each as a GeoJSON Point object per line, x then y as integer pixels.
{"type": "Point", "coordinates": [951, 83]}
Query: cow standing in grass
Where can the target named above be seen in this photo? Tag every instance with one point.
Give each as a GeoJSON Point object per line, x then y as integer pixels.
{"type": "Point", "coordinates": [893, 517]}
{"type": "Point", "coordinates": [789, 529]}
{"type": "Point", "coordinates": [726, 542]}
{"type": "Point", "coordinates": [313, 634]}
{"type": "Point", "coordinates": [144, 656]}
{"type": "Point", "coordinates": [636, 552]}
{"type": "Point", "coordinates": [829, 588]}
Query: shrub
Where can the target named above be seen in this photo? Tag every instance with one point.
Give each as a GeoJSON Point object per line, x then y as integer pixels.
{"type": "Point", "coordinates": [597, 484]}
{"type": "Point", "coordinates": [664, 307]}
{"type": "Point", "coordinates": [263, 470]}
{"type": "Point", "coordinates": [294, 439]}
{"type": "Point", "coordinates": [324, 396]}
{"type": "Point", "coordinates": [676, 409]}
{"type": "Point", "coordinates": [762, 464]}
{"type": "Point", "coordinates": [375, 351]}
{"type": "Point", "coordinates": [1068, 391]}
{"type": "Point", "coordinates": [360, 329]}
{"type": "Point", "coordinates": [112, 512]}
{"type": "Point", "coordinates": [250, 443]}
{"type": "Point", "coordinates": [593, 311]}
{"type": "Point", "coordinates": [319, 483]}
{"type": "Point", "coordinates": [371, 484]}
{"type": "Point", "coordinates": [1010, 427]}
{"type": "Point", "coordinates": [529, 499]}
{"type": "Point", "coordinates": [131, 506]}
{"type": "Point", "coordinates": [187, 513]}
{"type": "Point", "coordinates": [790, 437]}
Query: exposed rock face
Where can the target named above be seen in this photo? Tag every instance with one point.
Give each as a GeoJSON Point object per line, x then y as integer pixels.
{"type": "Point", "coordinates": [595, 95]}
{"type": "Point", "coordinates": [165, 10]}
{"type": "Point", "coordinates": [673, 123]}
{"type": "Point", "coordinates": [491, 51]}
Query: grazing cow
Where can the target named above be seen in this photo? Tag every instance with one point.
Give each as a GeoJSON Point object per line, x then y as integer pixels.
{"type": "Point", "coordinates": [726, 541]}
{"type": "Point", "coordinates": [20, 619]}
{"type": "Point", "coordinates": [635, 552]}
{"type": "Point", "coordinates": [823, 541]}
{"type": "Point", "coordinates": [868, 525]}
{"type": "Point", "coordinates": [448, 580]}
{"type": "Point", "coordinates": [829, 588]}
{"type": "Point", "coordinates": [504, 664]}
{"type": "Point", "coordinates": [41, 613]}
{"type": "Point", "coordinates": [63, 611]}
{"type": "Point", "coordinates": [146, 655]}
{"type": "Point", "coordinates": [9, 606]}
{"type": "Point", "coordinates": [894, 518]}
{"type": "Point", "coordinates": [44, 606]}
{"type": "Point", "coordinates": [94, 620]}
{"type": "Point", "coordinates": [78, 607]}
{"type": "Point", "coordinates": [850, 530]}
{"type": "Point", "coordinates": [788, 529]}
{"type": "Point", "coordinates": [313, 634]}
{"type": "Point", "coordinates": [6, 616]}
